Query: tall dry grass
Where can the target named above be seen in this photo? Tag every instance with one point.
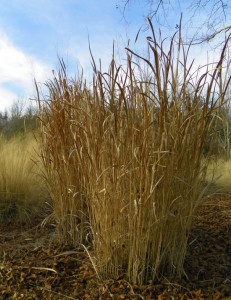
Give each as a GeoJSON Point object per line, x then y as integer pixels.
{"type": "Point", "coordinates": [22, 188]}
{"type": "Point", "coordinates": [124, 159]}
{"type": "Point", "coordinates": [59, 155]}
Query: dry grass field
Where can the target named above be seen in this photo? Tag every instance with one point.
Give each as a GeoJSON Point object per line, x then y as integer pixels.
{"type": "Point", "coordinates": [219, 174]}
{"type": "Point", "coordinates": [22, 185]}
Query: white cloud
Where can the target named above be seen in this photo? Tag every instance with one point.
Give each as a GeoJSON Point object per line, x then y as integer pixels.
{"type": "Point", "coordinates": [17, 72]}
{"type": "Point", "coordinates": [7, 98]}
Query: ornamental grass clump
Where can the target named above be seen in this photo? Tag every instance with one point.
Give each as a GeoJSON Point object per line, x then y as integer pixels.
{"type": "Point", "coordinates": [125, 161]}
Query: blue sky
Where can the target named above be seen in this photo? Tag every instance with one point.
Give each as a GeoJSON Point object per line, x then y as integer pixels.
{"type": "Point", "coordinates": [34, 33]}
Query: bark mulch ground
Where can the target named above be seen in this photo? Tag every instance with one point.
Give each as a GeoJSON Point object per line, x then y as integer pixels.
{"type": "Point", "coordinates": [34, 266]}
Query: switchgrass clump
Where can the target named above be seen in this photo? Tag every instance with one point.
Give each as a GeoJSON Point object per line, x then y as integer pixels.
{"type": "Point", "coordinates": [22, 188]}
{"type": "Point", "coordinates": [124, 159]}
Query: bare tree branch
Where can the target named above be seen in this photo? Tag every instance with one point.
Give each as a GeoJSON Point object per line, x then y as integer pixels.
{"type": "Point", "coordinates": [210, 37]}
{"type": "Point", "coordinates": [217, 13]}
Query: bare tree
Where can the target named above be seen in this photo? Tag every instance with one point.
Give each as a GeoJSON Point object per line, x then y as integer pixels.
{"type": "Point", "coordinates": [216, 15]}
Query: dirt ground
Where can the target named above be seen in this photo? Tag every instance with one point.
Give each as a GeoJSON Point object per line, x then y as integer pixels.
{"type": "Point", "coordinates": [34, 266]}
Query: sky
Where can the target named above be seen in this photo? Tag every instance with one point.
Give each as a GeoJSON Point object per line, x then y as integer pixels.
{"type": "Point", "coordinates": [33, 34]}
